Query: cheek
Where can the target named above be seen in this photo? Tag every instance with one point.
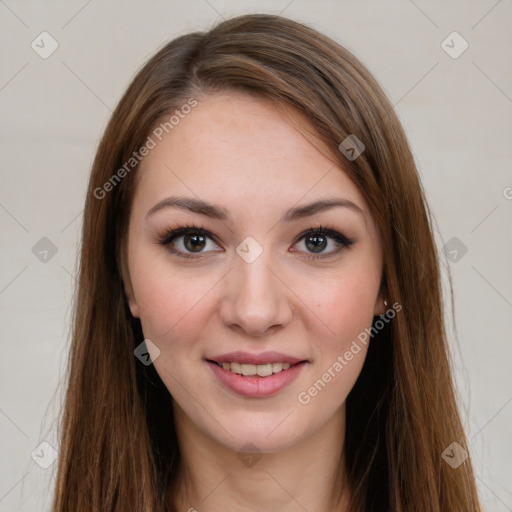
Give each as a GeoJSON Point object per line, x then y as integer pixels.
{"type": "Point", "coordinates": [351, 309]}
{"type": "Point", "coordinates": [172, 305]}
{"type": "Point", "coordinates": [173, 312]}
{"type": "Point", "coordinates": [344, 306]}
{"type": "Point", "coordinates": [165, 309]}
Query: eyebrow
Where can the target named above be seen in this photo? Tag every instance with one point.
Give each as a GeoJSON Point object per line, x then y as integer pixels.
{"type": "Point", "coordinates": [220, 213]}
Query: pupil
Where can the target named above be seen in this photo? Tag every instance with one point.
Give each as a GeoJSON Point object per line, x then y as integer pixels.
{"type": "Point", "coordinates": [316, 243]}
{"type": "Point", "coordinates": [194, 242]}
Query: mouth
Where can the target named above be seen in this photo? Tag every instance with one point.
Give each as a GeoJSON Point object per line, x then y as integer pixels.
{"type": "Point", "coordinates": [256, 380]}
{"type": "Point", "coordinates": [254, 370]}
{"type": "Point", "coordinates": [256, 375]}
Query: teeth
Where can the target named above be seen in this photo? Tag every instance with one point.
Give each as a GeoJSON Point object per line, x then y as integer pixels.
{"type": "Point", "coordinates": [263, 370]}
{"type": "Point", "coordinates": [235, 367]}
{"type": "Point", "coordinates": [249, 369]}
{"type": "Point", "coordinates": [277, 367]}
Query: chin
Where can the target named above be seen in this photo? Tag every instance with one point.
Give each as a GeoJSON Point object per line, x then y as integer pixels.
{"type": "Point", "coordinates": [258, 440]}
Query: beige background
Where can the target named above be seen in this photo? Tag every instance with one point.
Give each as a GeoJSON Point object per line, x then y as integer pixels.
{"type": "Point", "coordinates": [457, 113]}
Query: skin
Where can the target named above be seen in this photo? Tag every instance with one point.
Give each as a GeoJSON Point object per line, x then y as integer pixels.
{"type": "Point", "coordinates": [240, 153]}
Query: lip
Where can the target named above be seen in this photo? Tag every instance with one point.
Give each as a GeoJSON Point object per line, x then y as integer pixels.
{"type": "Point", "coordinates": [261, 358]}
{"type": "Point", "coordinates": [255, 386]}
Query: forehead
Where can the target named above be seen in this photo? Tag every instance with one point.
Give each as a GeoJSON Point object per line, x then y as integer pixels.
{"type": "Point", "coordinates": [235, 149]}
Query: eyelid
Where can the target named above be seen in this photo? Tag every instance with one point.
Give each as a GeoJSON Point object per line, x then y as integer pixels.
{"type": "Point", "coordinates": [326, 231]}
{"type": "Point", "coordinates": [174, 233]}
{"type": "Point", "coordinates": [330, 232]}
{"type": "Point", "coordinates": [171, 234]}
{"type": "Point", "coordinates": [342, 241]}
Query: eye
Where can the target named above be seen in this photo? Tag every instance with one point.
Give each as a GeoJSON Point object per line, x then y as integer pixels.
{"type": "Point", "coordinates": [322, 242]}
{"type": "Point", "coordinates": [189, 240]}
{"type": "Point", "coordinates": [194, 241]}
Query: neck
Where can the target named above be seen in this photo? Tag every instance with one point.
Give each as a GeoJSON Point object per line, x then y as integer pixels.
{"type": "Point", "coordinates": [307, 476]}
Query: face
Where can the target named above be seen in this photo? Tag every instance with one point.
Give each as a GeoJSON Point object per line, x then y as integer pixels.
{"type": "Point", "coordinates": [249, 252]}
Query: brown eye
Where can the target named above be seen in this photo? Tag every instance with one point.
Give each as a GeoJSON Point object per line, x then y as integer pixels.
{"type": "Point", "coordinates": [316, 243]}
{"type": "Point", "coordinates": [194, 243]}
{"type": "Point", "coordinates": [189, 242]}
{"type": "Point", "coordinates": [322, 242]}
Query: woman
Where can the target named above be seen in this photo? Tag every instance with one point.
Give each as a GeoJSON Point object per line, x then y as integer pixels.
{"type": "Point", "coordinates": [259, 321]}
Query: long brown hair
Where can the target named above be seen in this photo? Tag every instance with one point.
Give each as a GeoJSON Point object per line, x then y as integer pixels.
{"type": "Point", "coordinates": [118, 444]}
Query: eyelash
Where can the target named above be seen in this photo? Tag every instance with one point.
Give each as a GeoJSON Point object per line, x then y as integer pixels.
{"type": "Point", "coordinates": [167, 239]}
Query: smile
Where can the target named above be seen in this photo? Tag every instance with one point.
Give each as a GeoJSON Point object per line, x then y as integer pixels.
{"type": "Point", "coordinates": [249, 370]}
{"type": "Point", "coordinates": [255, 380]}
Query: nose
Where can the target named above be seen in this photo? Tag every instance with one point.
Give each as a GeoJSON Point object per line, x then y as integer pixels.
{"type": "Point", "coordinates": [255, 300]}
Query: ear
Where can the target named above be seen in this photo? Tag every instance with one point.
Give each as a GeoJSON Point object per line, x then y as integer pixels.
{"type": "Point", "coordinates": [128, 289]}
{"type": "Point", "coordinates": [380, 303]}
{"type": "Point", "coordinates": [130, 297]}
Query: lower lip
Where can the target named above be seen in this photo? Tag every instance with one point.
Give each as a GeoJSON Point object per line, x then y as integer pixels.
{"type": "Point", "coordinates": [254, 386]}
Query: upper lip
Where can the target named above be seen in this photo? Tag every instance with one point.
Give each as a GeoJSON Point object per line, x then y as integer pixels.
{"type": "Point", "coordinates": [261, 358]}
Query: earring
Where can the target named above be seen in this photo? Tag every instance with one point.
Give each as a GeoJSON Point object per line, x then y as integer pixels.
{"type": "Point", "coordinates": [386, 305]}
